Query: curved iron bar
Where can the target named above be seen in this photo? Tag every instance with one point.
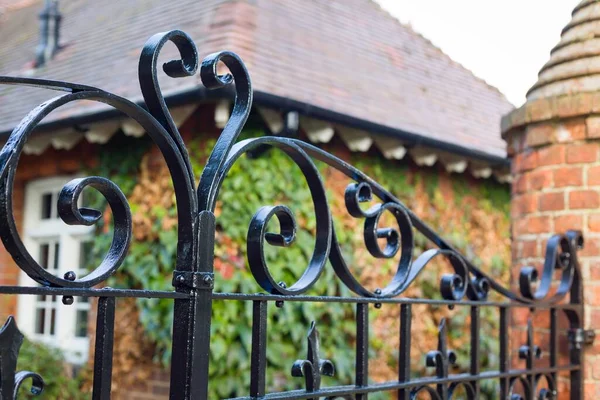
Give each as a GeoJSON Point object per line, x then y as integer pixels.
{"type": "Point", "coordinates": [548, 393]}
{"type": "Point", "coordinates": [526, 387]}
{"type": "Point", "coordinates": [194, 203]}
{"type": "Point", "coordinates": [433, 394]}
{"type": "Point", "coordinates": [467, 279]}
{"type": "Point", "coordinates": [468, 387]}
{"type": "Point", "coordinates": [9, 157]}
{"type": "Point", "coordinates": [37, 383]}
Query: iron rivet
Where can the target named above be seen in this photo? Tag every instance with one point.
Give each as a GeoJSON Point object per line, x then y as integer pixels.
{"type": "Point", "coordinates": [180, 278]}
{"type": "Point", "coordinates": [377, 305]}
{"type": "Point", "coordinates": [282, 285]}
{"type": "Point", "coordinates": [70, 276]}
{"type": "Point", "coordinates": [377, 291]}
{"type": "Point", "coordinates": [207, 280]}
{"type": "Point", "coordinates": [67, 300]}
{"type": "Point", "coordinates": [279, 303]}
{"type": "Point", "coordinates": [450, 306]}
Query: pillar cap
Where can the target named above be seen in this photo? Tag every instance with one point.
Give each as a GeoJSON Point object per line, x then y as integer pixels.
{"type": "Point", "coordinates": [569, 83]}
{"type": "Point", "coordinates": [574, 64]}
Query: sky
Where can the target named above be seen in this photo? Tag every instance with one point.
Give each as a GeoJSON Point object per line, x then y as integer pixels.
{"type": "Point", "coordinates": [503, 42]}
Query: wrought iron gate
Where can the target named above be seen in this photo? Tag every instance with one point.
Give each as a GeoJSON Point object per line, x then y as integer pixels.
{"type": "Point", "coordinates": [193, 277]}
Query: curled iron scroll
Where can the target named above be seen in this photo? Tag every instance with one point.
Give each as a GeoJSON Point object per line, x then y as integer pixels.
{"type": "Point", "coordinates": [159, 128]}
{"type": "Point", "coordinates": [467, 279]}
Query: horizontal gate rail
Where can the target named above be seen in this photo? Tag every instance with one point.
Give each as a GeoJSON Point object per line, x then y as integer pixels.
{"type": "Point", "coordinates": [194, 279]}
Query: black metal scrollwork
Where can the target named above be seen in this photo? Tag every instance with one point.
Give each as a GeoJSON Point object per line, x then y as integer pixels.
{"type": "Point", "coordinates": [467, 279]}
{"type": "Point", "coordinates": [193, 275]}
{"type": "Point", "coordinates": [530, 352]}
{"type": "Point", "coordinates": [442, 359]}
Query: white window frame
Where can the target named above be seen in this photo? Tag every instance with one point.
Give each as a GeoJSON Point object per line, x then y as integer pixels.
{"type": "Point", "coordinates": [36, 232]}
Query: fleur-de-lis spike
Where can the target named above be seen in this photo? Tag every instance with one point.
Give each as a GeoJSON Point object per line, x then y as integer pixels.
{"type": "Point", "coordinates": [313, 367]}
{"type": "Point", "coordinates": [11, 340]}
{"type": "Point", "coordinates": [442, 358]}
{"type": "Point", "coordinates": [530, 351]}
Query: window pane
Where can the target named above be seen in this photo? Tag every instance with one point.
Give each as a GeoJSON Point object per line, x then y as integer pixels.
{"type": "Point", "coordinates": [47, 206]}
{"type": "Point", "coordinates": [52, 321]}
{"type": "Point", "coordinates": [56, 254]}
{"type": "Point", "coordinates": [44, 254]}
{"type": "Point", "coordinates": [81, 323]}
{"type": "Point", "coordinates": [40, 320]}
{"type": "Point", "coordinates": [85, 256]}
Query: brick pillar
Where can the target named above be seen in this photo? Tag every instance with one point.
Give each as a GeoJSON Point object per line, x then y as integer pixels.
{"type": "Point", "coordinates": [554, 144]}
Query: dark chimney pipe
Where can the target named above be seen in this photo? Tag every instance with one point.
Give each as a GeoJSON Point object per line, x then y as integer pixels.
{"type": "Point", "coordinates": [50, 19]}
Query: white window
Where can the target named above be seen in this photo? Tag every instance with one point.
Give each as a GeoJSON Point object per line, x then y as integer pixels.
{"type": "Point", "coordinates": [59, 248]}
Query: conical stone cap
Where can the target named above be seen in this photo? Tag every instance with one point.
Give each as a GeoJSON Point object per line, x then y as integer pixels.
{"type": "Point", "coordinates": [574, 65]}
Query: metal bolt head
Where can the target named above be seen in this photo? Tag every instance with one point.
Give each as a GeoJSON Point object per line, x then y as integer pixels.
{"type": "Point", "coordinates": [180, 278]}
{"type": "Point", "coordinates": [208, 280]}
{"type": "Point", "coordinates": [282, 285]}
{"type": "Point", "coordinates": [377, 305]}
{"type": "Point", "coordinates": [378, 291]}
{"type": "Point", "coordinates": [67, 300]}
{"type": "Point", "coordinates": [279, 303]}
{"type": "Point", "coordinates": [70, 276]}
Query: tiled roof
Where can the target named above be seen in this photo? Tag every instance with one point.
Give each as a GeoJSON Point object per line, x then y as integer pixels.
{"type": "Point", "coordinates": [348, 56]}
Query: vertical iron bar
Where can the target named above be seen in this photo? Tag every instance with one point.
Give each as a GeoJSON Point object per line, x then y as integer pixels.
{"type": "Point", "coordinates": [475, 331]}
{"type": "Point", "coordinates": [554, 344]}
{"type": "Point", "coordinates": [200, 339]}
{"type": "Point", "coordinates": [259, 349]}
{"type": "Point", "coordinates": [576, 320]}
{"type": "Point", "coordinates": [576, 358]}
{"type": "Point", "coordinates": [504, 351]}
{"type": "Point", "coordinates": [553, 337]}
{"type": "Point", "coordinates": [530, 362]}
{"type": "Point", "coordinates": [362, 348]}
{"type": "Point", "coordinates": [191, 321]}
{"type": "Point", "coordinates": [103, 352]}
{"type": "Point", "coordinates": [404, 354]}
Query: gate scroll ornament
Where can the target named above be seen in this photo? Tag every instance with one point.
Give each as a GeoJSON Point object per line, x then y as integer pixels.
{"type": "Point", "coordinates": [193, 277]}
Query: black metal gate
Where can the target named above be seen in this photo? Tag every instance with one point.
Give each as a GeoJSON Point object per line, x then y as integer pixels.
{"type": "Point", "coordinates": [193, 277]}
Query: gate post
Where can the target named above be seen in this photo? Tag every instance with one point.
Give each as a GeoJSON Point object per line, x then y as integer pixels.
{"type": "Point", "coordinates": [554, 142]}
{"type": "Point", "coordinates": [192, 319]}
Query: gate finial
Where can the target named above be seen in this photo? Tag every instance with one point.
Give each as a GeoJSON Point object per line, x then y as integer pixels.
{"type": "Point", "coordinates": [11, 340]}
{"type": "Point", "coordinates": [313, 367]}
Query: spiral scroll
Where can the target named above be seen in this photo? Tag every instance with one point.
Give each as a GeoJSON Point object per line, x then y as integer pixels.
{"type": "Point", "coordinates": [466, 280]}
{"type": "Point", "coordinates": [158, 124]}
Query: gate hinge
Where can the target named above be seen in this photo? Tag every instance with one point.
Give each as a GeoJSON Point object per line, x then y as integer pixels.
{"type": "Point", "coordinates": [579, 337]}
{"type": "Point", "coordinates": [194, 280]}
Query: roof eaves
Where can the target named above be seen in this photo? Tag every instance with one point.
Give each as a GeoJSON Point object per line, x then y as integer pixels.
{"type": "Point", "coordinates": [270, 100]}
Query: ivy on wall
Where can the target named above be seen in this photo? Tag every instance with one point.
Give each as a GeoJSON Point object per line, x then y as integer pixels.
{"type": "Point", "coordinates": [472, 216]}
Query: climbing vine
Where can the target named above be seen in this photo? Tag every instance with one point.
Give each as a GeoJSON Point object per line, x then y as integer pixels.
{"type": "Point", "coordinates": [473, 216]}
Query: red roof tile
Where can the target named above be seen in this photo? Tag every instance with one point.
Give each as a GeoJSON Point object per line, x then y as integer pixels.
{"type": "Point", "coordinates": [348, 56]}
